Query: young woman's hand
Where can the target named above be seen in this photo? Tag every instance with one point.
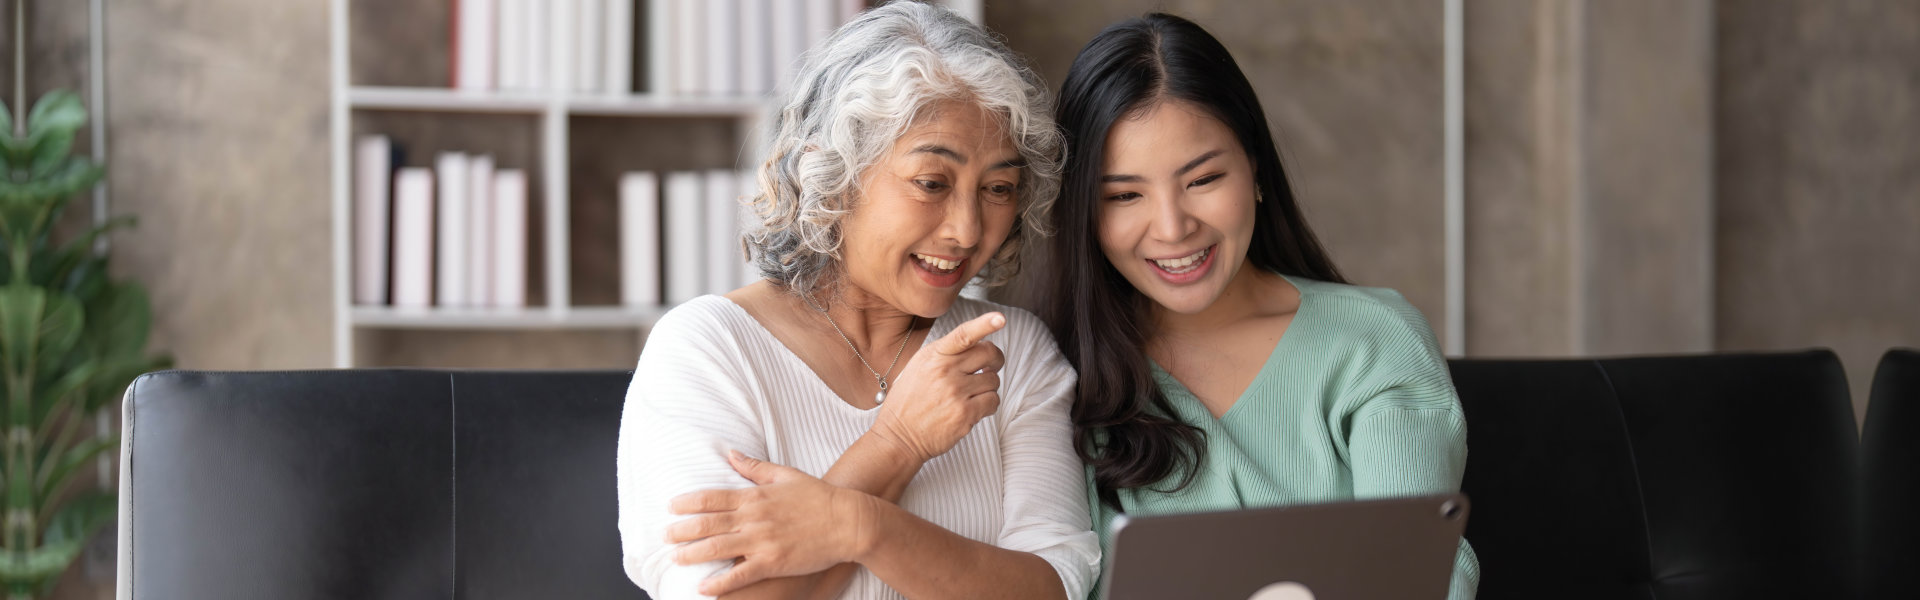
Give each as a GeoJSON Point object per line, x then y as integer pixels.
{"type": "Point", "coordinates": [949, 385]}
{"type": "Point", "coordinates": [788, 524]}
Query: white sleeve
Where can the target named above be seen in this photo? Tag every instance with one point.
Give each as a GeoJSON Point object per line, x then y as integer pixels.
{"type": "Point", "coordinates": [1046, 495]}
{"type": "Point", "coordinates": [686, 407]}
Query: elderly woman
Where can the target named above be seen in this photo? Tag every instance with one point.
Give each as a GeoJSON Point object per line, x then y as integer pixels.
{"type": "Point", "coordinates": [780, 441]}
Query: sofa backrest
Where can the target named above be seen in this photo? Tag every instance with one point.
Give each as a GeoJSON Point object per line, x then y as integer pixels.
{"type": "Point", "coordinates": [1722, 476]}
{"type": "Point", "coordinates": [1718, 476]}
{"type": "Point", "coordinates": [1890, 455]}
{"type": "Point", "coordinates": [371, 484]}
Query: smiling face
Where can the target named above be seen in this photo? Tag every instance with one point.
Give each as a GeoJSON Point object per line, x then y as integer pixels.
{"type": "Point", "coordinates": [933, 210]}
{"type": "Point", "coordinates": [1176, 207]}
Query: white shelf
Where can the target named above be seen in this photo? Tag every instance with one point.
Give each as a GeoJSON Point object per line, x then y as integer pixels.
{"type": "Point", "coordinates": [631, 105]}
{"type": "Point", "coordinates": [446, 100]}
{"type": "Point", "coordinates": [646, 105]}
{"type": "Point", "coordinates": [578, 317]}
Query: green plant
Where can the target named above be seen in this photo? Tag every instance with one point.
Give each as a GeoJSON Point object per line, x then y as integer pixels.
{"type": "Point", "coordinates": [71, 340]}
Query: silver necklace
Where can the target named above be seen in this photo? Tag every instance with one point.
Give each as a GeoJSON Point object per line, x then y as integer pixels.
{"type": "Point", "coordinates": [878, 377]}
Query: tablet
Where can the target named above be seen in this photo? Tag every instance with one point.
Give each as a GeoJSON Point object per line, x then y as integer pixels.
{"type": "Point", "coordinates": [1396, 548]}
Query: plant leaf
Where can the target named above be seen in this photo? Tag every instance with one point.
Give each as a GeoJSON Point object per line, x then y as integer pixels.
{"type": "Point", "coordinates": [74, 458]}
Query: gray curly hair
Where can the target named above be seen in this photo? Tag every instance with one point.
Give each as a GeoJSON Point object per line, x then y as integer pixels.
{"type": "Point", "coordinates": [857, 93]}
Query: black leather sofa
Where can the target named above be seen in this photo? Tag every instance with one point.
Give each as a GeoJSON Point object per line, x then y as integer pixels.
{"type": "Point", "coordinates": [1723, 476]}
{"type": "Point", "coordinates": [1890, 446]}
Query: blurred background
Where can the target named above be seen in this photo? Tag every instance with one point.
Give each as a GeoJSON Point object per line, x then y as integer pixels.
{"type": "Point", "coordinates": [1635, 176]}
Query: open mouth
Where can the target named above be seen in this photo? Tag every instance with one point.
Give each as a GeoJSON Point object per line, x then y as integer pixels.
{"type": "Point", "coordinates": [939, 271]}
{"type": "Point", "coordinates": [1185, 264]}
{"type": "Point", "coordinates": [939, 266]}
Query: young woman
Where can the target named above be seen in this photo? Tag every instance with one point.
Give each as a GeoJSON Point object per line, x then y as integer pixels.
{"type": "Point", "coordinates": [1223, 361]}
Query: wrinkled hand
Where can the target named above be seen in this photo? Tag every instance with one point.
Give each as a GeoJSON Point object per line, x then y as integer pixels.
{"type": "Point", "coordinates": [788, 524]}
{"type": "Point", "coordinates": [949, 385]}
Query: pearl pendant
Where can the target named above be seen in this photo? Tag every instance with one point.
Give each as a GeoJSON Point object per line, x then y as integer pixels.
{"type": "Point", "coordinates": [879, 397]}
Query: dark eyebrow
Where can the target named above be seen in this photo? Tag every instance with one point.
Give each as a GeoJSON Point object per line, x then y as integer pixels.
{"type": "Point", "coordinates": [1182, 171]}
{"type": "Point", "coordinates": [1195, 163]}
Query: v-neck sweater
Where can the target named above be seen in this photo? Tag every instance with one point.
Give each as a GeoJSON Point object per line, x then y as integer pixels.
{"type": "Point", "coordinates": [712, 378]}
{"type": "Point", "coordinates": [1354, 402]}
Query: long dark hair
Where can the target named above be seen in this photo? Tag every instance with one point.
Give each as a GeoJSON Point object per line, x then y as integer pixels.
{"type": "Point", "coordinates": [1123, 425]}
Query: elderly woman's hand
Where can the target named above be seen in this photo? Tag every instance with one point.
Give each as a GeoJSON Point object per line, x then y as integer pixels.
{"type": "Point", "coordinates": [787, 524]}
{"type": "Point", "coordinates": [949, 385]}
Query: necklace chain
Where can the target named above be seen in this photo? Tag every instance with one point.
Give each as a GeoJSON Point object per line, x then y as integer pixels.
{"type": "Point", "coordinates": [878, 377]}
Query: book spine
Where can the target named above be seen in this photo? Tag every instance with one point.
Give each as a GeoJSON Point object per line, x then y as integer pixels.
{"type": "Point", "coordinates": [723, 46]}
{"type": "Point", "coordinates": [685, 248]}
{"type": "Point", "coordinates": [589, 48]}
{"type": "Point", "coordinates": [539, 43]}
{"type": "Point", "coordinates": [510, 238]}
{"type": "Point", "coordinates": [511, 33]}
{"type": "Point", "coordinates": [789, 37]}
{"type": "Point", "coordinates": [756, 47]}
{"type": "Point", "coordinates": [413, 238]}
{"type": "Point", "coordinates": [822, 17]}
{"type": "Point", "coordinates": [640, 239]}
{"type": "Point", "coordinates": [661, 59]}
{"type": "Point", "coordinates": [476, 45]}
{"type": "Point", "coordinates": [451, 266]}
{"type": "Point", "coordinates": [373, 172]}
{"type": "Point", "coordinates": [691, 66]}
{"type": "Point", "coordinates": [723, 230]}
{"type": "Point", "coordinates": [480, 231]}
{"type": "Point", "coordinates": [618, 78]}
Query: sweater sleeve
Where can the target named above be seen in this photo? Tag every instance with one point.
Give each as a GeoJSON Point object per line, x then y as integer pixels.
{"type": "Point", "coordinates": [1045, 508]}
{"type": "Point", "coordinates": [1409, 435]}
{"type": "Point", "coordinates": [686, 407]}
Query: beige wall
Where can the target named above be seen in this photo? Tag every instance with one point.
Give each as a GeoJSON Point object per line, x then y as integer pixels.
{"type": "Point", "coordinates": [1642, 176]}
{"type": "Point", "coordinates": [1817, 165]}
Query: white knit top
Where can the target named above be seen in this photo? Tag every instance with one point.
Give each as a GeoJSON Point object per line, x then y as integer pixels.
{"type": "Point", "coordinates": [711, 378]}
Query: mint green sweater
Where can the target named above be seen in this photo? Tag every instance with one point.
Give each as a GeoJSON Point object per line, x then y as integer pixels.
{"type": "Point", "coordinates": [1353, 403]}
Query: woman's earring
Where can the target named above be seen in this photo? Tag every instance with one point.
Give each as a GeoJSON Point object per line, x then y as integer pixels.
{"type": "Point", "coordinates": [1257, 197]}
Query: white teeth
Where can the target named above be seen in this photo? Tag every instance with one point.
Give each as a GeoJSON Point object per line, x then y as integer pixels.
{"type": "Point", "coordinates": [1181, 265]}
{"type": "Point", "coordinates": [936, 263]}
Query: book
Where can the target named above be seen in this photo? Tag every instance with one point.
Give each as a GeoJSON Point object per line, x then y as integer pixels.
{"type": "Point", "coordinates": [589, 47]}
{"type": "Point", "coordinates": [685, 251]}
{"type": "Point", "coordinates": [509, 238]}
{"type": "Point", "coordinates": [640, 239]}
{"type": "Point", "coordinates": [510, 30]}
{"type": "Point", "coordinates": [480, 231]}
{"type": "Point", "coordinates": [690, 53]}
{"type": "Point", "coordinates": [450, 264]}
{"type": "Point", "coordinates": [723, 230]}
{"type": "Point", "coordinates": [618, 63]}
{"type": "Point", "coordinates": [372, 206]}
{"type": "Point", "coordinates": [789, 39]}
{"type": "Point", "coordinates": [722, 41]}
{"type": "Point", "coordinates": [537, 30]}
{"type": "Point", "coordinates": [822, 17]}
{"type": "Point", "coordinates": [756, 46]}
{"type": "Point", "coordinates": [971, 10]}
{"type": "Point", "coordinates": [413, 238]}
{"type": "Point", "coordinates": [661, 59]}
{"type": "Point", "coordinates": [475, 45]}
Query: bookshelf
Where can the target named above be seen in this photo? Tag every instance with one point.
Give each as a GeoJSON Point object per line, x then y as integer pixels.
{"type": "Point", "coordinates": [389, 74]}
{"type": "Point", "coordinates": [545, 120]}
